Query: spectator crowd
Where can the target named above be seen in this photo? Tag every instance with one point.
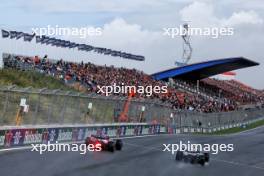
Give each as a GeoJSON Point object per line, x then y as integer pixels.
{"type": "Point", "coordinates": [89, 76]}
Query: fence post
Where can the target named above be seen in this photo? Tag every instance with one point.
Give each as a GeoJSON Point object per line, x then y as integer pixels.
{"type": "Point", "coordinates": [5, 107]}
{"type": "Point", "coordinates": [63, 108]}
{"type": "Point", "coordinates": [36, 110]}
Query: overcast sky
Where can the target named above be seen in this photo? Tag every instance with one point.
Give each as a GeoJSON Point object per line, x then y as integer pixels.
{"type": "Point", "coordinates": [136, 26]}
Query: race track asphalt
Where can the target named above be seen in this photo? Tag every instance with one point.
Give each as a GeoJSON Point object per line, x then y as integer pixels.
{"type": "Point", "coordinates": [143, 157]}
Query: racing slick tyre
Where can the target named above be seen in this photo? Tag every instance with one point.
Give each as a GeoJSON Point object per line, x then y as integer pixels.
{"type": "Point", "coordinates": [119, 144]}
{"type": "Point", "coordinates": [87, 141]}
{"type": "Point", "coordinates": [193, 160]}
{"type": "Point", "coordinates": [202, 162]}
{"type": "Point", "coordinates": [179, 156]}
{"type": "Point", "coordinates": [111, 147]}
{"type": "Point", "coordinates": [207, 157]}
{"type": "Point", "coordinates": [186, 159]}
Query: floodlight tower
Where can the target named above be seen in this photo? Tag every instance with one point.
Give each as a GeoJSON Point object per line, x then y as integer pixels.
{"type": "Point", "coordinates": [187, 48]}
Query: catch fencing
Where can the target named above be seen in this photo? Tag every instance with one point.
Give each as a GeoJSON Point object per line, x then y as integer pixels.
{"type": "Point", "coordinates": [67, 107]}
{"type": "Point", "coordinates": [190, 122]}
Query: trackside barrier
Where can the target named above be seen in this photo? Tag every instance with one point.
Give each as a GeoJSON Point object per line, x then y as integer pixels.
{"type": "Point", "coordinates": [15, 137]}
{"type": "Point", "coordinates": [22, 136]}
{"type": "Point", "coordinates": [187, 129]}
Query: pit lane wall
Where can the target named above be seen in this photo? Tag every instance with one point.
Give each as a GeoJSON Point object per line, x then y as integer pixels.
{"type": "Point", "coordinates": [23, 136]}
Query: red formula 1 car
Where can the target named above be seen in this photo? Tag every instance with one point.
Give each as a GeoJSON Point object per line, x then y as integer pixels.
{"type": "Point", "coordinates": [107, 144]}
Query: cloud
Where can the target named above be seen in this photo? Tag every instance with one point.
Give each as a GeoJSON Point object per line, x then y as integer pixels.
{"type": "Point", "coordinates": [119, 33]}
{"type": "Point", "coordinates": [199, 14]}
{"type": "Point", "coordinates": [243, 17]}
{"type": "Point", "coordinates": [203, 14]}
{"type": "Point", "coordinates": [87, 6]}
{"type": "Point", "coordinates": [136, 27]}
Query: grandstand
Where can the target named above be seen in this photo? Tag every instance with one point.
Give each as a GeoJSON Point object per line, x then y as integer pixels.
{"type": "Point", "coordinates": [196, 78]}
{"type": "Point", "coordinates": [183, 94]}
{"type": "Point", "coordinates": [190, 87]}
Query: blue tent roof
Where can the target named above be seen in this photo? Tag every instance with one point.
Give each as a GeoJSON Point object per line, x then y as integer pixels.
{"type": "Point", "coordinates": [206, 69]}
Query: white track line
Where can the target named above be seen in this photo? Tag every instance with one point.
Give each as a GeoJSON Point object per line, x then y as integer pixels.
{"type": "Point", "coordinates": [250, 130]}
{"type": "Point", "coordinates": [238, 164]}
{"type": "Point", "coordinates": [150, 148]}
{"type": "Point", "coordinates": [140, 146]}
{"type": "Point", "coordinates": [15, 148]}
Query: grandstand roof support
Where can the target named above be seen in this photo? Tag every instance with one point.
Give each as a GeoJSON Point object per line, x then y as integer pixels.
{"type": "Point", "coordinates": [198, 87]}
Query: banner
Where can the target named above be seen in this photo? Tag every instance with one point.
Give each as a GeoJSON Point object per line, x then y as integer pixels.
{"type": "Point", "coordinates": [22, 137]}
{"type": "Point", "coordinates": [68, 44]}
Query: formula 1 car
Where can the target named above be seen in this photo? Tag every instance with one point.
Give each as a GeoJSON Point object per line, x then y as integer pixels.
{"type": "Point", "coordinates": [194, 157]}
{"type": "Point", "coordinates": [106, 143]}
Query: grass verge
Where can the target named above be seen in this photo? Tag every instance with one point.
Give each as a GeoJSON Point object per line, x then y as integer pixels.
{"type": "Point", "coordinates": [237, 129]}
{"type": "Point", "coordinates": [30, 79]}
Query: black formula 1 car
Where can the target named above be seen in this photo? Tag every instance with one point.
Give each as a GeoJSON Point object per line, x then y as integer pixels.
{"type": "Point", "coordinates": [107, 144]}
{"type": "Point", "coordinates": [194, 157]}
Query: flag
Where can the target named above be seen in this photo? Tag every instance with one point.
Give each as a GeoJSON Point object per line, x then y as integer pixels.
{"type": "Point", "coordinates": [50, 41]}
{"type": "Point", "coordinates": [44, 39]}
{"type": "Point", "coordinates": [60, 43]}
{"type": "Point", "coordinates": [113, 53]}
{"type": "Point", "coordinates": [39, 39]}
{"type": "Point", "coordinates": [19, 35]}
{"type": "Point", "coordinates": [229, 73]}
{"type": "Point", "coordinates": [81, 47]}
{"type": "Point", "coordinates": [5, 33]}
{"type": "Point", "coordinates": [133, 57]}
{"type": "Point", "coordinates": [66, 43]}
{"type": "Point", "coordinates": [73, 45]}
{"type": "Point", "coordinates": [226, 76]}
{"type": "Point", "coordinates": [28, 37]}
{"type": "Point", "coordinates": [55, 42]}
{"type": "Point", "coordinates": [138, 58]}
{"type": "Point", "coordinates": [99, 50]}
{"type": "Point", "coordinates": [107, 51]}
{"type": "Point", "coordinates": [96, 49]}
{"type": "Point", "coordinates": [118, 53]}
{"type": "Point", "coordinates": [125, 55]}
{"type": "Point", "coordinates": [13, 34]}
{"type": "Point", "coordinates": [88, 48]}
